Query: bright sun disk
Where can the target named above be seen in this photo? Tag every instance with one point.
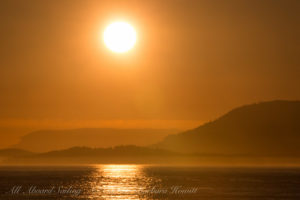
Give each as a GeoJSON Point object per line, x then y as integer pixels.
{"type": "Point", "coordinates": [120, 37]}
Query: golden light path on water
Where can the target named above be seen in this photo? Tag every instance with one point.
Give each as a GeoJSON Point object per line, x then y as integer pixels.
{"type": "Point", "coordinates": [116, 182]}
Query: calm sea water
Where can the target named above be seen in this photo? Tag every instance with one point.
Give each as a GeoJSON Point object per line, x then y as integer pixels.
{"type": "Point", "coordinates": [147, 182]}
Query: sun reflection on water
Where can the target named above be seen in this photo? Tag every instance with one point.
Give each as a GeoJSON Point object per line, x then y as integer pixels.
{"type": "Point", "coordinates": [120, 182]}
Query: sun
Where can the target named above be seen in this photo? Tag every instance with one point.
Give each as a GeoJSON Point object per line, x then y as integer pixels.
{"type": "Point", "coordinates": [119, 37]}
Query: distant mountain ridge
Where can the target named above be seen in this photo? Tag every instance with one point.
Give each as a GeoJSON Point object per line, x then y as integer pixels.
{"type": "Point", "coordinates": [49, 140]}
{"type": "Point", "coordinates": [14, 153]}
{"type": "Point", "coordinates": [261, 133]}
{"type": "Point", "coordinates": [87, 155]}
{"type": "Point", "coordinates": [131, 154]}
{"type": "Point", "coordinates": [128, 150]}
{"type": "Point", "coordinates": [267, 128]}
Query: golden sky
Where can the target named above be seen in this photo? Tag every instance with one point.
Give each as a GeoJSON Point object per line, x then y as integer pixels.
{"type": "Point", "coordinates": [193, 61]}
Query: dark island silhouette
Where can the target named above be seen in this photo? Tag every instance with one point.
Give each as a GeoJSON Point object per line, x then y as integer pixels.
{"type": "Point", "coordinates": [87, 155]}
{"type": "Point", "coordinates": [267, 132]}
{"type": "Point", "coordinates": [268, 129]}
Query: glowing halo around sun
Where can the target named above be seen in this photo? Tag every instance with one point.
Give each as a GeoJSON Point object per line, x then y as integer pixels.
{"type": "Point", "coordinates": [119, 37]}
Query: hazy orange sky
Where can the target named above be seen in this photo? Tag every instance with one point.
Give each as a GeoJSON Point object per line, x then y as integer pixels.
{"type": "Point", "coordinates": [193, 61]}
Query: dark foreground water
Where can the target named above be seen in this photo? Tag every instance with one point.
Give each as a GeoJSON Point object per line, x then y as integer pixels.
{"type": "Point", "coordinates": [147, 182]}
